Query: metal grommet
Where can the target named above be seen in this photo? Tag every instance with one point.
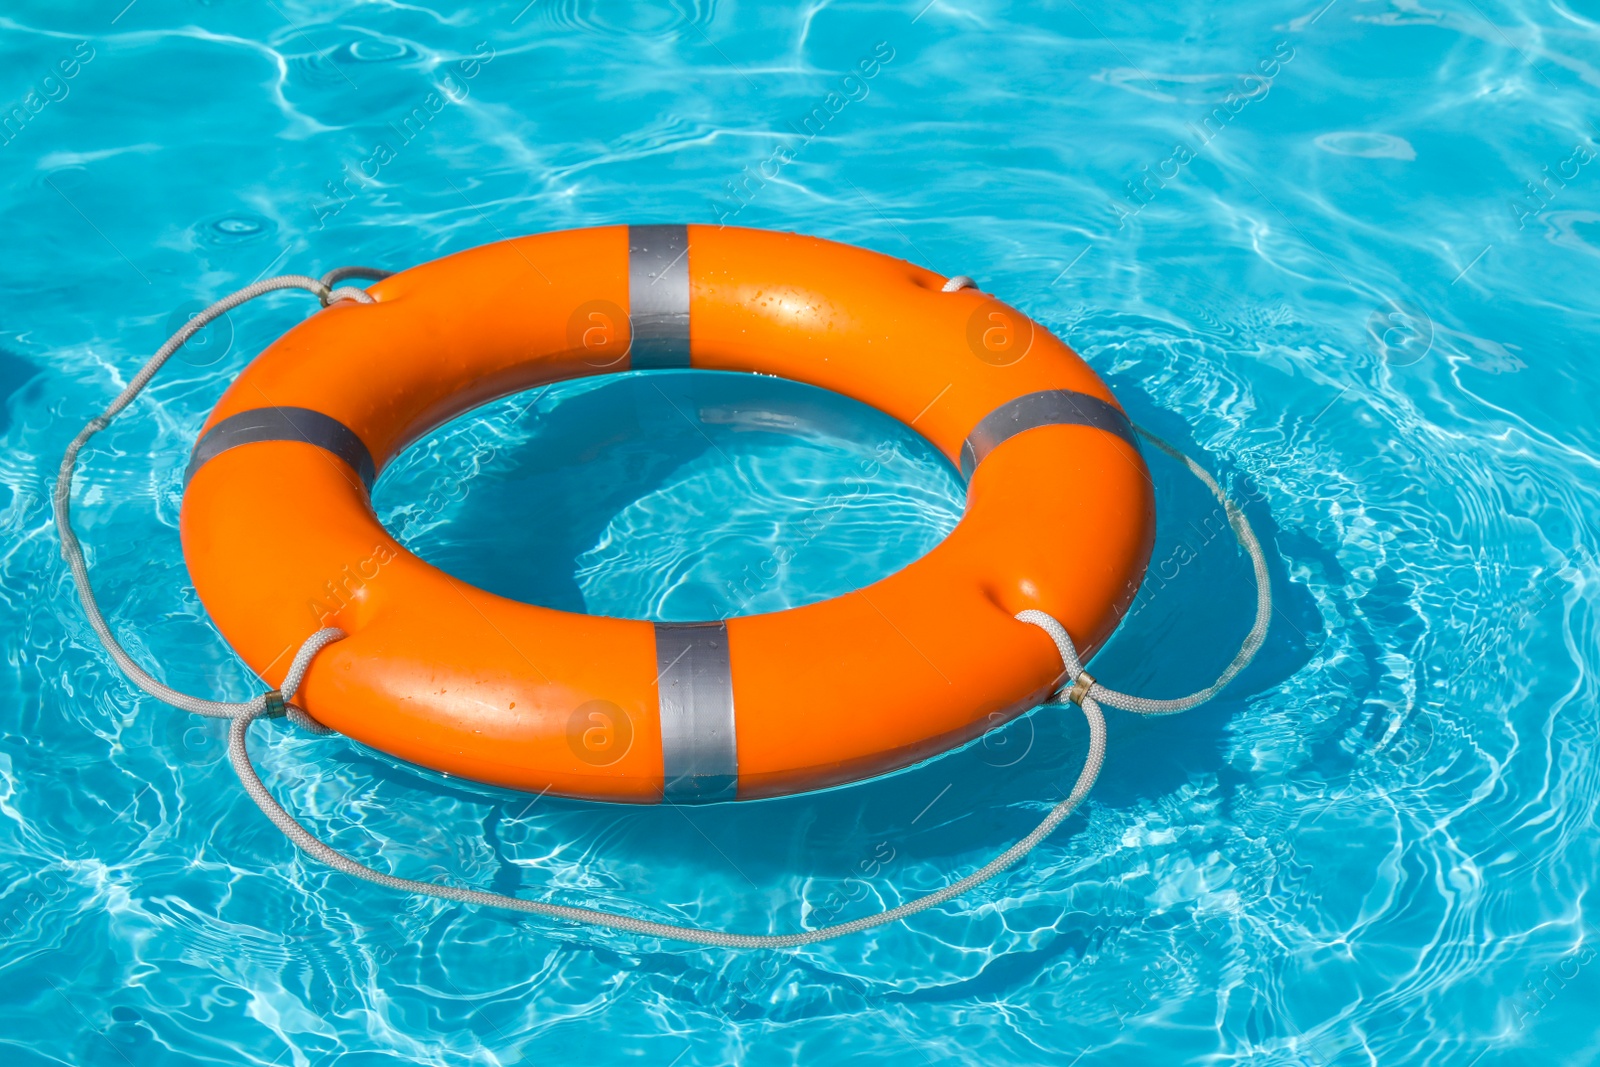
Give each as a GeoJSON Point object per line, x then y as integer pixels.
{"type": "Point", "coordinates": [1080, 687]}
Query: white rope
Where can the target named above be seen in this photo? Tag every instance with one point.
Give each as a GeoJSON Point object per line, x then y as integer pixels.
{"type": "Point", "coordinates": [1085, 692]}
{"type": "Point", "coordinates": [322, 852]}
{"type": "Point", "coordinates": [72, 551]}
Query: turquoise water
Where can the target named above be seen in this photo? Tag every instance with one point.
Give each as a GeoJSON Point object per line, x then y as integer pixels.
{"type": "Point", "coordinates": [1345, 254]}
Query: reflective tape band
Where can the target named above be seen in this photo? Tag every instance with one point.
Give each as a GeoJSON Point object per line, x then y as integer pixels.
{"type": "Point", "coordinates": [658, 296]}
{"type": "Point", "coordinates": [284, 424]}
{"type": "Point", "coordinates": [1051, 407]}
{"type": "Point", "coordinates": [699, 746]}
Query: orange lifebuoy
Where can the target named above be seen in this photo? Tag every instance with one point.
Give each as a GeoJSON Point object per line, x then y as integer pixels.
{"type": "Point", "coordinates": [280, 536]}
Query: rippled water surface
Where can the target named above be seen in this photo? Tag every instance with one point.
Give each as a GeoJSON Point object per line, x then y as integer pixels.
{"type": "Point", "coordinates": [1343, 252]}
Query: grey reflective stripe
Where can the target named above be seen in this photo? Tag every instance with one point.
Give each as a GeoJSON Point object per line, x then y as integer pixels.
{"type": "Point", "coordinates": [699, 747]}
{"type": "Point", "coordinates": [1051, 407]}
{"type": "Point", "coordinates": [658, 296]}
{"type": "Point", "coordinates": [284, 424]}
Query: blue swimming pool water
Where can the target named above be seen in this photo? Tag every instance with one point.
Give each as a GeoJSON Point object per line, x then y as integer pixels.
{"type": "Point", "coordinates": [1343, 252]}
{"type": "Point", "coordinates": [674, 496]}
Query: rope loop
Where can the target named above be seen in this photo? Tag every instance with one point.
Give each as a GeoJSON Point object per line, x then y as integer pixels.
{"type": "Point", "coordinates": [1085, 689]}
{"type": "Point", "coordinates": [331, 295]}
{"type": "Point", "coordinates": [339, 274]}
{"type": "Point", "coordinates": [345, 292]}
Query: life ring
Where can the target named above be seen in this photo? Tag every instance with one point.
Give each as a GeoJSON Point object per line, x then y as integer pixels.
{"type": "Point", "coordinates": [280, 536]}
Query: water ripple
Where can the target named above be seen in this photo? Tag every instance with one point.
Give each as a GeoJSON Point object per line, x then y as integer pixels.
{"type": "Point", "coordinates": [1364, 301]}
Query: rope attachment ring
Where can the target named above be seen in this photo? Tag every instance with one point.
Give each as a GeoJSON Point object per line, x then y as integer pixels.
{"type": "Point", "coordinates": [297, 673]}
{"type": "Point", "coordinates": [345, 292]}
{"type": "Point", "coordinates": [1080, 687]}
{"type": "Point", "coordinates": [328, 295]}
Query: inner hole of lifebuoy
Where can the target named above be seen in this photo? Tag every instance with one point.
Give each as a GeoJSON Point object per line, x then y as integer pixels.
{"type": "Point", "coordinates": [674, 496]}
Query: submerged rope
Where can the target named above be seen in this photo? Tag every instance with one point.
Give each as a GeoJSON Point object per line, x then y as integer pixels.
{"type": "Point", "coordinates": [1084, 691]}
